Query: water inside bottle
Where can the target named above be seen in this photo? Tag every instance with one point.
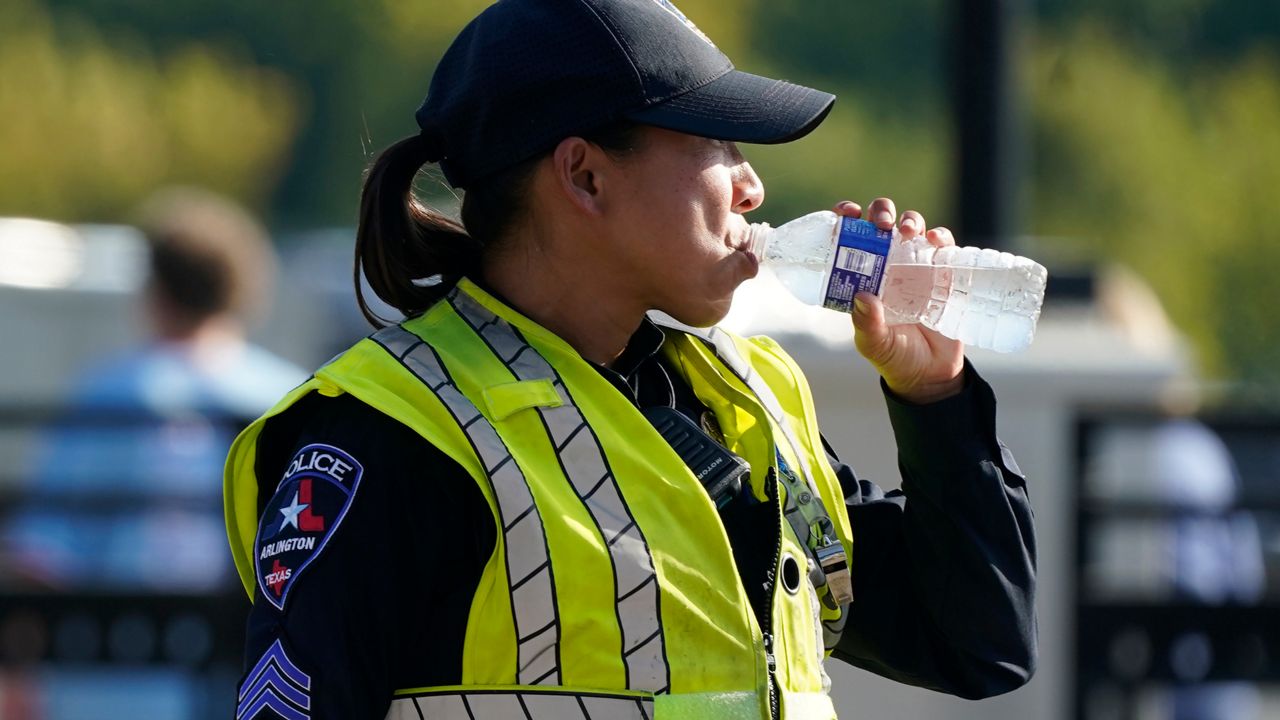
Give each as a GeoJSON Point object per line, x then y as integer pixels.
{"type": "Point", "coordinates": [991, 307]}
{"type": "Point", "coordinates": [799, 253]}
{"type": "Point", "coordinates": [909, 293]}
{"type": "Point", "coordinates": [806, 282]}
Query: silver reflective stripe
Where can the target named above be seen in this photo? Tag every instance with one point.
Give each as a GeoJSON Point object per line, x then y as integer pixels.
{"type": "Point", "coordinates": [528, 562]}
{"type": "Point", "coordinates": [480, 705]}
{"type": "Point", "coordinates": [584, 464]}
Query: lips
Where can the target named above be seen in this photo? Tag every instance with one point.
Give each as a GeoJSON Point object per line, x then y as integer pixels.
{"type": "Point", "coordinates": [743, 246]}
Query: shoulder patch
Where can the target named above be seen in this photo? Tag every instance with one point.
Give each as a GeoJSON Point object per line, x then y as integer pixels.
{"type": "Point", "coordinates": [312, 499]}
{"type": "Point", "coordinates": [275, 683]}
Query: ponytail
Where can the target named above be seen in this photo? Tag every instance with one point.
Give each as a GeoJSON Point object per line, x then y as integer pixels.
{"type": "Point", "coordinates": [400, 240]}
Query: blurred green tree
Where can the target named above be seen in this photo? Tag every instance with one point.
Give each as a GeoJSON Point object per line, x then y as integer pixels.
{"type": "Point", "coordinates": [889, 133]}
{"type": "Point", "coordinates": [93, 124]}
{"type": "Point", "coordinates": [1173, 174]}
{"type": "Point", "coordinates": [367, 65]}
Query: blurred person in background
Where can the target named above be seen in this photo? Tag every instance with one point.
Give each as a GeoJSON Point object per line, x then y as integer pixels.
{"type": "Point", "coordinates": [1205, 550]}
{"type": "Point", "coordinates": [1215, 551]}
{"type": "Point", "coordinates": [133, 464]}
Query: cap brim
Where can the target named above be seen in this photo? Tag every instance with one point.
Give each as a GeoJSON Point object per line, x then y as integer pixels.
{"type": "Point", "coordinates": [742, 107]}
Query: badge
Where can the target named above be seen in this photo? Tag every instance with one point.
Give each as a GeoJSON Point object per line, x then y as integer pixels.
{"type": "Point", "coordinates": [309, 504]}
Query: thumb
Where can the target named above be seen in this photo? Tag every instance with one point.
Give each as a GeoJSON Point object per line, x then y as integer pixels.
{"type": "Point", "coordinates": [868, 319]}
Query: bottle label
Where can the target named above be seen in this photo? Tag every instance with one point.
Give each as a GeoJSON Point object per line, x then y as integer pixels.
{"type": "Point", "coordinates": [861, 252]}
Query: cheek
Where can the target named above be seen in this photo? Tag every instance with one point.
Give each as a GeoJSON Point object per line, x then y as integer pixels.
{"type": "Point", "coordinates": [680, 219]}
{"type": "Point", "coordinates": [717, 192]}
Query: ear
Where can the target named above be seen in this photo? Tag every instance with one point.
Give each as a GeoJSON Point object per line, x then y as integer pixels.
{"type": "Point", "coordinates": [579, 170]}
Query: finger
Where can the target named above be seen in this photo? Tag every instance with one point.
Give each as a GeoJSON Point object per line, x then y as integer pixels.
{"type": "Point", "coordinates": [911, 224]}
{"type": "Point", "coordinates": [882, 212]}
{"type": "Point", "coordinates": [940, 237]}
{"type": "Point", "coordinates": [848, 208]}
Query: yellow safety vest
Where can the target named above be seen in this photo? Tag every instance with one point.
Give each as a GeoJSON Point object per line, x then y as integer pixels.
{"type": "Point", "coordinates": [612, 590]}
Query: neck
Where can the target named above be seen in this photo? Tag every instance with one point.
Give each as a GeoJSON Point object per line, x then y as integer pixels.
{"type": "Point", "coordinates": [208, 340]}
{"type": "Point", "coordinates": [586, 309]}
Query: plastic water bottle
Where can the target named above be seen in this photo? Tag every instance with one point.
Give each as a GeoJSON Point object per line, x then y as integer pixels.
{"type": "Point", "coordinates": [984, 298]}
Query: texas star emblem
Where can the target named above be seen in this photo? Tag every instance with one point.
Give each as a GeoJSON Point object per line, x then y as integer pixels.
{"type": "Point", "coordinates": [308, 506]}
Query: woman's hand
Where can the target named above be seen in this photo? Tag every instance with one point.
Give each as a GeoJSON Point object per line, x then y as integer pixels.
{"type": "Point", "coordinates": [918, 364]}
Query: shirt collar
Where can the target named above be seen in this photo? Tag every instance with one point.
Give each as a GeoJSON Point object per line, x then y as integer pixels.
{"type": "Point", "coordinates": [645, 343]}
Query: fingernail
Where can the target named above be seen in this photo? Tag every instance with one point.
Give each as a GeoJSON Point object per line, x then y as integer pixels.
{"type": "Point", "coordinates": [884, 216]}
{"type": "Point", "coordinates": [859, 305]}
{"type": "Point", "coordinates": [909, 223]}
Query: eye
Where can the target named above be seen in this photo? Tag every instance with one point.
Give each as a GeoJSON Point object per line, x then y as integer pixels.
{"type": "Point", "coordinates": [723, 148]}
{"type": "Point", "coordinates": [730, 149]}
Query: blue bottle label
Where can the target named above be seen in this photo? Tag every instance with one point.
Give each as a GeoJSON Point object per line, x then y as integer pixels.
{"type": "Point", "coordinates": [860, 258]}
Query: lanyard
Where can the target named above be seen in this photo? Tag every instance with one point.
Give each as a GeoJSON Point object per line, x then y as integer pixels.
{"type": "Point", "coordinates": [809, 519]}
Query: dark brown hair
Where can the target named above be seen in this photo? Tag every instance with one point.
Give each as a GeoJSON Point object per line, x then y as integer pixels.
{"type": "Point", "coordinates": [401, 239]}
{"type": "Point", "coordinates": [207, 255]}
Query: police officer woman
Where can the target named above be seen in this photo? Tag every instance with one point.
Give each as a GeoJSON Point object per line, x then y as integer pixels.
{"type": "Point", "coordinates": [530, 500]}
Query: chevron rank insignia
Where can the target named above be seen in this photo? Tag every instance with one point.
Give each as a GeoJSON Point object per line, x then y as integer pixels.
{"type": "Point", "coordinates": [274, 688]}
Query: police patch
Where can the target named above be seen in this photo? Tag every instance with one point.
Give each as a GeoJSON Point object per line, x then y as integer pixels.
{"type": "Point", "coordinates": [309, 504]}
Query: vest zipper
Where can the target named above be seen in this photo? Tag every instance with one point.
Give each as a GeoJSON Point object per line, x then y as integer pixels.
{"type": "Point", "coordinates": [771, 660]}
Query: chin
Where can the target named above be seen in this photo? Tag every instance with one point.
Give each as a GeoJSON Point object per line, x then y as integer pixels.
{"type": "Point", "coordinates": [703, 315]}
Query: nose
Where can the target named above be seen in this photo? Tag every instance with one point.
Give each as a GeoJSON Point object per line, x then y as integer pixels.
{"type": "Point", "coordinates": [748, 190]}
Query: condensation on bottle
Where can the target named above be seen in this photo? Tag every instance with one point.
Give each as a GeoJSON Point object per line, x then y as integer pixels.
{"type": "Point", "coordinates": [984, 298]}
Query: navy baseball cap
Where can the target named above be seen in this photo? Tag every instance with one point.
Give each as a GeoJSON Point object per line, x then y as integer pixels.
{"type": "Point", "coordinates": [525, 74]}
